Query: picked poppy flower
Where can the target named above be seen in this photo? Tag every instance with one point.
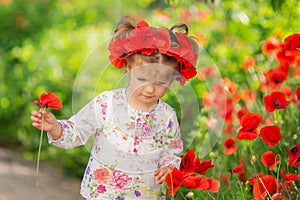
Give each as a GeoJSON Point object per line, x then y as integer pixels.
{"type": "Point", "coordinates": [289, 178]}
{"type": "Point", "coordinates": [264, 184]}
{"type": "Point", "coordinates": [230, 146]}
{"type": "Point", "coordinates": [294, 155]}
{"type": "Point", "coordinates": [249, 123]}
{"type": "Point", "coordinates": [47, 100]}
{"type": "Point", "coordinates": [275, 100]}
{"type": "Point", "coordinates": [187, 164]}
{"type": "Point", "coordinates": [174, 181]}
{"type": "Point", "coordinates": [269, 159]}
{"type": "Point", "coordinates": [271, 135]}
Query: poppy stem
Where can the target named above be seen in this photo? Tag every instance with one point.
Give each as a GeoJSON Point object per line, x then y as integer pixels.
{"type": "Point", "coordinates": [278, 171]}
{"type": "Point", "coordinates": [39, 152]}
{"type": "Point", "coordinates": [182, 195]}
{"type": "Point", "coordinates": [277, 116]}
{"type": "Point", "coordinates": [242, 189]}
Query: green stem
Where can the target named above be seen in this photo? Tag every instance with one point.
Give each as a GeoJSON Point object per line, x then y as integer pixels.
{"type": "Point", "coordinates": [182, 195]}
{"type": "Point", "coordinates": [39, 153]}
{"type": "Point", "coordinates": [242, 189]}
{"type": "Point", "coordinates": [210, 196]}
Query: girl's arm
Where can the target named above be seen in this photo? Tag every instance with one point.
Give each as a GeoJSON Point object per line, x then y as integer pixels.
{"type": "Point", "coordinates": [77, 130]}
{"type": "Point", "coordinates": [173, 147]}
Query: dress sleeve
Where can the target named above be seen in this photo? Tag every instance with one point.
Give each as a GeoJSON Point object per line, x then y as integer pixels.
{"type": "Point", "coordinates": [77, 130]}
{"type": "Point", "coordinates": [173, 144]}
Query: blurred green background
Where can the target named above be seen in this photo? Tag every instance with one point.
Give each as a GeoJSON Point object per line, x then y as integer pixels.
{"type": "Point", "coordinates": [45, 44]}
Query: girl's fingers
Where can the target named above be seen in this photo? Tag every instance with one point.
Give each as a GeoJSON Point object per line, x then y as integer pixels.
{"type": "Point", "coordinates": [36, 113]}
{"type": "Point", "coordinates": [35, 119]}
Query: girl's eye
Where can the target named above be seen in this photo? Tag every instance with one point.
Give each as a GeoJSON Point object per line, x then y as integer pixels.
{"type": "Point", "coordinates": [142, 79]}
{"type": "Point", "coordinates": [161, 83]}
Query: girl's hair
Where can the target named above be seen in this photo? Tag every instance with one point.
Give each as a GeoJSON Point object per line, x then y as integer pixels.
{"type": "Point", "coordinates": [122, 30]}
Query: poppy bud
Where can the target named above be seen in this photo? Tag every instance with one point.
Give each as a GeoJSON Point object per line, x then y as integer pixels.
{"type": "Point", "coordinates": [253, 159]}
{"type": "Point", "coordinates": [190, 195]}
{"type": "Point", "coordinates": [212, 155]}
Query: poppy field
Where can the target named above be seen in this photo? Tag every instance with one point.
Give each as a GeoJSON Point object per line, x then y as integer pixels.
{"type": "Point", "coordinates": [258, 155]}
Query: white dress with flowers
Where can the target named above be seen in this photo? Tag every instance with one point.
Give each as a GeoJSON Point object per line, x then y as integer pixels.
{"type": "Point", "coordinates": [128, 146]}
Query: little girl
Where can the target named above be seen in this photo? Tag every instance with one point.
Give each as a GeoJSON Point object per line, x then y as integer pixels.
{"type": "Point", "coordinates": [136, 135]}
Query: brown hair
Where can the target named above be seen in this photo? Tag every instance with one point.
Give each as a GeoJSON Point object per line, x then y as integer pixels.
{"type": "Point", "coordinates": [122, 29]}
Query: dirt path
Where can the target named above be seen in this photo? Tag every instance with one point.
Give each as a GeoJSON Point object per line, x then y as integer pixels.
{"type": "Point", "coordinates": [17, 180]}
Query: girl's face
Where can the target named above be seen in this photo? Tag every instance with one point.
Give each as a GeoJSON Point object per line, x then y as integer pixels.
{"type": "Point", "coordinates": [147, 84]}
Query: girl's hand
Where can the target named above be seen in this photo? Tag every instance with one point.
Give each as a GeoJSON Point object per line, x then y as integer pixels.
{"type": "Point", "coordinates": [50, 123]}
{"type": "Point", "coordinates": [162, 173]}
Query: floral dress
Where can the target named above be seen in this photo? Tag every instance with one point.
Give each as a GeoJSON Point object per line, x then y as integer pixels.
{"type": "Point", "coordinates": [128, 146]}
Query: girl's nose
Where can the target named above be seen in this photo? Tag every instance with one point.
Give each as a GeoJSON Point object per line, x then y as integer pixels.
{"type": "Point", "coordinates": [149, 88]}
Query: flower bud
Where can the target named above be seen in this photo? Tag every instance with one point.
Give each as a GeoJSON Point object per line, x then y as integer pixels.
{"type": "Point", "coordinates": [212, 154]}
{"type": "Point", "coordinates": [253, 159]}
{"type": "Point", "coordinates": [189, 195]}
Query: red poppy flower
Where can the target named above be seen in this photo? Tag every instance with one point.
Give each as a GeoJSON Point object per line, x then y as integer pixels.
{"type": "Point", "coordinates": [242, 112]}
{"type": "Point", "coordinates": [206, 71]}
{"type": "Point", "coordinates": [192, 181]}
{"type": "Point", "coordinates": [248, 62]}
{"type": "Point", "coordinates": [269, 159]}
{"type": "Point", "coordinates": [294, 155]}
{"type": "Point", "coordinates": [275, 100]}
{"type": "Point", "coordinates": [174, 180]}
{"type": "Point", "coordinates": [210, 184]}
{"type": "Point", "coordinates": [249, 123]}
{"type": "Point", "coordinates": [298, 94]}
{"type": "Point", "coordinates": [229, 86]}
{"type": "Point", "coordinates": [230, 146]}
{"type": "Point", "coordinates": [202, 167]}
{"type": "Point", "coordinates": [248, 96]}
{"type": "Point", "coordinates": [240, 170]}
{"type": "Point", "coordinates": [283, 58]}
{"type": "Point", "coordinates": [254, 178]}
{"type": "Point", "coordinates": [292, 44]}
{"type": "Point", "coordinates": [270, 44]}
{"type": "Point", "coordinates": [271, 135]}
{"type": "Point", "coordinates": [289, 178]}
{"type": "Point", "coordinates": [287, 91]}
{"type": "Point", "coordinates": [276, 196]}
{"type": "Point", "coordinates": [275, 77]}
{"type": "Point", "coordinates": [49, 100]}
{"type": "Point", "coordinates": [187, 164]}
{"type": "Point", "coordinates": [225, 179]}
{"type": "Point", "coordinates": [263, 185]}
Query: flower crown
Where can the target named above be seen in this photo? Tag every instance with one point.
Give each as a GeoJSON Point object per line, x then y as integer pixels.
{"type": "Point", "coordinates": [148, 40]}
